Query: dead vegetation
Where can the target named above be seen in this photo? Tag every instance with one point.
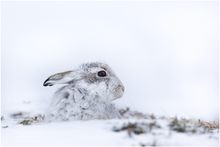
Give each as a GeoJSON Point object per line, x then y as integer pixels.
{"type": "Point", "coordinates": [151, 124]}
{"type": "Point", "coordinates": [31, 120]}
{"type": "Point", "coordinates": [192, 126]}
{"type": "Point", "coordinates": [137, 128]}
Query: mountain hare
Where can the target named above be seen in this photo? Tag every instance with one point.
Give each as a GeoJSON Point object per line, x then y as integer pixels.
{"type": "Point", "coordinates": [87, 94]}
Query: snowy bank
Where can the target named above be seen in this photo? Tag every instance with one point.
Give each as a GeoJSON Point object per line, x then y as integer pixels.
{"type": "Point", "coordinates": [137, 130]}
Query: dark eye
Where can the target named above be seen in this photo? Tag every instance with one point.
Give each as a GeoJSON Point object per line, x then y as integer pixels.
{"type": "Point", "coordinates": [102, 73]}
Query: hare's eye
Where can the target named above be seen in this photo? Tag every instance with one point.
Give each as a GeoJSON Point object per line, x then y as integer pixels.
{"type": "Point", "coordinates": [102, 73]}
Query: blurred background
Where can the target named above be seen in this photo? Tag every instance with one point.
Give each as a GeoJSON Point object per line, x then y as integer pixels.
{"type": "Point", "coordinates": [165, 53]}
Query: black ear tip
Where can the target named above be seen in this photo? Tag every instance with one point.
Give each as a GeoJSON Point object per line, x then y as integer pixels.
{"type": "Point", "coordinates": [46, 83]}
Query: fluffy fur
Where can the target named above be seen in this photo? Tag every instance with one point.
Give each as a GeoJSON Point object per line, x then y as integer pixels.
{"type": "Point", "coordinates": [85, 95]}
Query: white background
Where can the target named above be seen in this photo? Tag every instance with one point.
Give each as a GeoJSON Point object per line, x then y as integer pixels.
{"type": "Point", "coordinates": [165, 53]}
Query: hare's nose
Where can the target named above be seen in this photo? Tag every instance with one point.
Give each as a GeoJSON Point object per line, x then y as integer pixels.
{"type": "Point", "coordinates": [121, 87]}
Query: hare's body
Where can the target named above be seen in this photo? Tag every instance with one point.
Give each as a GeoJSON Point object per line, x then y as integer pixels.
{"type": "Point", "coordinates": [87, 95]}
{"type": "Point", "coordinates": [79, 104]}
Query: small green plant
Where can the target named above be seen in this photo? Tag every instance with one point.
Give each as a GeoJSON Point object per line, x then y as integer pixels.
{"type": "Point", "coordinates": [31, 120]}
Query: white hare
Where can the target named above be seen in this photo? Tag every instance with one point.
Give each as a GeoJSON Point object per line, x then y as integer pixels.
{"type": "Point", "coordinates": [87, 93]}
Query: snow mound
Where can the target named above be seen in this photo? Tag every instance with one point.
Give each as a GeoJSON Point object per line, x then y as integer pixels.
{"type": "Point", "coordinates": [134, 128]}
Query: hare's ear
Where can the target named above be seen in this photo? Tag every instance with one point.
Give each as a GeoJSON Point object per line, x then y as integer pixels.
{"type": "Point", "coordinates": [60, 78]}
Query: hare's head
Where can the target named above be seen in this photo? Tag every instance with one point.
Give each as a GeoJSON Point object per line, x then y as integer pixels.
{"type": "Point", "coordinates": [96, 78]}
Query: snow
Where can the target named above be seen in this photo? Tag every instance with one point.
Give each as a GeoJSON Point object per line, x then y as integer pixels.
{"type": "Point", "coordinates": [65, 133]}
{"type": "Point", "coordinates": [96, 133]}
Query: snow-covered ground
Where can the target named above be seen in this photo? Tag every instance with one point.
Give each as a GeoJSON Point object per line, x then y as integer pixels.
{"type": "Point", "coordinates": [151, 131]}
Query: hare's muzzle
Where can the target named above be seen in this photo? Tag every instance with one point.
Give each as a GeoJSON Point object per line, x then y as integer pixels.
{"type": "Point", "coordinates": [119, 91]}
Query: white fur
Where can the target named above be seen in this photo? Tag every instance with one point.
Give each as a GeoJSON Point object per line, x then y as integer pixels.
{"type": "Point", "coordinates": [86, 100]}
